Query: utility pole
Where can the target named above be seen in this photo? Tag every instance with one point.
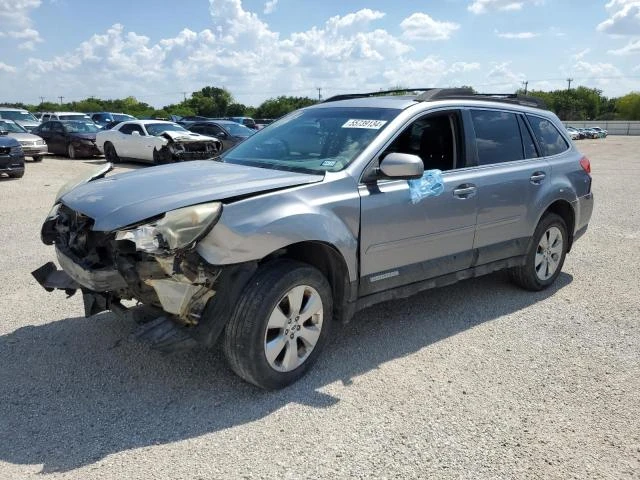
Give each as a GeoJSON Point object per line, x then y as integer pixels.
{"type": "Point", "coordinates": [569, 80]}
{"type": "Point", "coordinates": [319, 93]}
{"type": "Point", "coordinates": [61, 97]}
{"type": "Point", "coordinates": [525, 83]}
{"type": "Point", "coordinates": [184, 94]}
{"type": "Point", "coordinates": [41, 100]}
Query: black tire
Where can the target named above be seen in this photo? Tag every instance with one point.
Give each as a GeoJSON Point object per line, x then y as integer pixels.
{"type": "Point", "coordinates": [110, 153]}
{"type": "Point", "coordinates": [16, 174]}
{"type": "Point", "coordinates": [161, 157]}
{"type": "Point", "coordinates": [526, 276]}
{"type": "Point", "coordinates": [37, 158]}
{"type": "Point", "coordinates": [71, 151]}
{"type": "Point", "coordinates": [245, 335]}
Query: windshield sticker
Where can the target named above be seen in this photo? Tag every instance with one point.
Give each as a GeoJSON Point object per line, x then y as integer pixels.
{"type": "Point", "coordinates": [370, 124]}
{"type": "Point", "coordinates": [328, 163]}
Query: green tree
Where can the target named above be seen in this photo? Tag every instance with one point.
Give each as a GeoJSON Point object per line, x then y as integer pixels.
{"type": "Point", "coordinates": [210, 102]}
{"type": "Point", "coordinates": [628, 106]}
{"type": "Point", "coordinates": [277, 107]}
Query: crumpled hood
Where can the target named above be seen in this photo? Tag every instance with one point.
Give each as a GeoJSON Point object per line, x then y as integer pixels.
{"type": "Point", "coordinates": [85, 136]}
{"type": "Point", "coordinates": [120, 200]}
{"type": "Point", "coordinates": [184, 137]}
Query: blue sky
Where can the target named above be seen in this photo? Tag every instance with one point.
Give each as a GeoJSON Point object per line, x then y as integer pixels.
{"type": "Point", "coordinates": [155, 50]}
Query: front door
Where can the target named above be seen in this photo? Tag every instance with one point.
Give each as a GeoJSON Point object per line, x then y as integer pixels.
{"type": "Point", "coordinates": [402, 242]}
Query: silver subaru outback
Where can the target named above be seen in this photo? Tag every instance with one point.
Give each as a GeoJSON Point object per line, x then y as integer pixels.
{"type": "Point", "coordinates": [331, 209]}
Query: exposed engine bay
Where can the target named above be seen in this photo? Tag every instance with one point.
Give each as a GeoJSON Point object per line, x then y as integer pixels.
{"type": "Point", "coordinates": [181, 147]}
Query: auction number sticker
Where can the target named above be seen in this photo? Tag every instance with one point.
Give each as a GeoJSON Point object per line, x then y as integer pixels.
{"type": "Point", "coordinates": [371, 124]}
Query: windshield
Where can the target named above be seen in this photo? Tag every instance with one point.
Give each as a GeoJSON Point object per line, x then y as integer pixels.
{"type": "Point", "coordinates": [77, 116]}
{"type": "Point", "coordinates": [238, 130]}
{"type": "Point", "coordinates": [121, 117]}
{"type": "Point", "coordinates": [77, 126]}
{"type": "Point", "coordinates": [17, 115]}
{"type": "Point", "coordinates": [313, 140]}
{"type": "Point", "coordinates": [11, 127]}
{"type": "Point", "coordinates": [158, 128]}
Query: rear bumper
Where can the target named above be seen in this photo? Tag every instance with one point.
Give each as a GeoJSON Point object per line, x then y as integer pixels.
{"type": "Point", "coordinates": [583, 208]}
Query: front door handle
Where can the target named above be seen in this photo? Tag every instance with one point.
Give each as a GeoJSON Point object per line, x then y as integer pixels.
{"type": "Point", "coordinates": [537, 178]}
{"type": "Point", "coordinates": [464, 191]}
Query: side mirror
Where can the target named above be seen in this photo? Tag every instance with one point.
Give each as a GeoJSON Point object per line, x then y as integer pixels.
{"type": "Point", "coordinates": [4, 132]}
{"type": "Point", "coordinates": [136, 133]}
{"type": "Point", "coordinates": [401, 166]}
{"type": "Point", "coordinates": [221, 135]}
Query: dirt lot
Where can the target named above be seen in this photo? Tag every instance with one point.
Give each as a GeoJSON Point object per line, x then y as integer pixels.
{"type": "Point", "coordinates": [477, 380]}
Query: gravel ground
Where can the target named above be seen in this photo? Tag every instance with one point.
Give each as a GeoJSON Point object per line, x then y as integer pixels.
{"type": "Point", "coordinates": [476, 380]}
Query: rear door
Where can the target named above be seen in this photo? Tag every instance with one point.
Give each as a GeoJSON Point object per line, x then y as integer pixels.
{"type": "Point", "coordinates": [402, 242]}
{"type": "Point", "coordinates": [509, 177]}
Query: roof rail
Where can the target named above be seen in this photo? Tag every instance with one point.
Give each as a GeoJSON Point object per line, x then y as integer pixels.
{"type": "Point", "coordinates": [513, 98]}
{"type": "Point", "coordinates": [349, 96]}
{"type": "Point", "coordinates": [433, 94]}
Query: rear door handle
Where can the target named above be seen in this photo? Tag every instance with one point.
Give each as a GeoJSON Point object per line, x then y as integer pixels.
{"type": "Point", "coordinates": [464, 191]}
{"type": "Point", "coordinates": [537, 178]}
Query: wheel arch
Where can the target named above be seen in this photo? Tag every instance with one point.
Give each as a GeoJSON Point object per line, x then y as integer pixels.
{"type": "Point", "coordinates": [563, 209]}
{"type": "Point", "coordinates": [330, 262]}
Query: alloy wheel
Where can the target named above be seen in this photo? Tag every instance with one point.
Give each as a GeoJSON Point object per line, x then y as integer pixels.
{"type": "Point", "coordinates": [548, 253]}
{"type": "Point", "coordinates": [293, 328]}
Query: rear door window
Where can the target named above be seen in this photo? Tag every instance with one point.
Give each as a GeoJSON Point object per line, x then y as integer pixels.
{"type": "Point", "coordinates": [549, 138]}
{"type": "Point", "coordinates": [497, 136]}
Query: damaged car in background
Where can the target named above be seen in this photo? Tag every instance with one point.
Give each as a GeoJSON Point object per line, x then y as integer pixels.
{"type": "Point", "coordinates": [357, 200]}
{"type": "Point", "coordinates": [156, 142]}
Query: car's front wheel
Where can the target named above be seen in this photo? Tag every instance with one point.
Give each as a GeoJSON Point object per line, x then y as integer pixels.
{"type": "Point", "coordinates": [545, 256]}
{"type": "Point", "coordinates": [37, 158]}
{"type": "Point", "coordinates": [110, 153]}
{"type": "Point", "coordinates": [279, 325]}
{"type": "Point", "coordinates": [71, 152]}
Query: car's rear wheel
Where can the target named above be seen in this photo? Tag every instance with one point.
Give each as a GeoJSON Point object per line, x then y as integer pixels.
{"type": "Point", "coordinates": [280, 324]}
{"type": "Point", "coordinates": [19, 174]}
{"type": "Point", "coordinates": [545, 256]}
{"type": "Point", "coordinates": [110, 153]}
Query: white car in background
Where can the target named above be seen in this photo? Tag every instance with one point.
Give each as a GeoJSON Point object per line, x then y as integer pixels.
{"type": "Point", "coordinates": [155, 141]}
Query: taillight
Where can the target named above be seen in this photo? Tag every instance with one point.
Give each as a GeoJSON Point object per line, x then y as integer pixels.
{"type": "Point", "coordinates": [585, 164]}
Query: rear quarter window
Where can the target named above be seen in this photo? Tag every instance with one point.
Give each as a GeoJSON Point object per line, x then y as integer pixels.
{"type": "Point", "coordinates": [549, 138]}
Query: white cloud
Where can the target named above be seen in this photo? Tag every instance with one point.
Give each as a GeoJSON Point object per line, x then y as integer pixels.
{"type": "Point", "coordinates": [518, 35]}
{"type": "Point", "coordinates": [581, 54]}
{"type": "Point", "coordinates": [421, 26]}
{"type": "Point", "coordinates": [503, 78]}
{"type": "Point", "coordinates": [270, 6]}
{"type": "Point", "coordinates": [15, 22]}
{"type": "Point", "coordinates": [4, 68]}
{"type": "Point", "coordinates": [624, 19]}
{"type": "Point", "coordinates": [630, 48]}
{"type": "Point", "coordinates": [484, 6]}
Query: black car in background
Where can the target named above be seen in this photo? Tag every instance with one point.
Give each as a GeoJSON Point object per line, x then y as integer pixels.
{"type": "Point", "coordinates": [74, 138]}
{"type": "Point", "coordinates": [105, 118]}
{"type": "Point", "coordinates": [228, 132]}
{"type": "Point", "coordinates": [11, 157]}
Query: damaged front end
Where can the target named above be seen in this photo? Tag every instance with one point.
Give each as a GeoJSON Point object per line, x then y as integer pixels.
{"type": "Point", "coordinates": [182, 147]}
{"type": "Point", "coordinates": [154, 263]}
